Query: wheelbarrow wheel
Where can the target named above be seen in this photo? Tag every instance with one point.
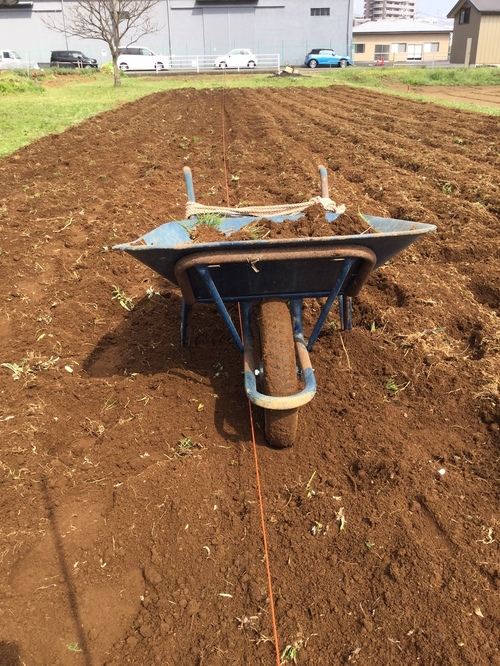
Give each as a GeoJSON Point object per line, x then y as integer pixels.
{"type": "Point", "coordinates": [279, 369]}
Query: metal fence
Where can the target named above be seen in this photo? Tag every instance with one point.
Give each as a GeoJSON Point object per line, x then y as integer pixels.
{"type": "Point", "coordinates": [199, 63]}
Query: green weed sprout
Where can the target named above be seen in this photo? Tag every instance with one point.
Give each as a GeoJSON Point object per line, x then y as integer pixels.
{"type": "Point", "coordinates": [290, 653]}
{"type": "Point", "coordinates": [209, 220]}
{"type": "Point", "coordinates": [125, 301]}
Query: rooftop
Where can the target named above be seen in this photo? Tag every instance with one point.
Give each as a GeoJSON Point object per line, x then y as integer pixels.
{"type": "Point", "coordinates": [402, 25]}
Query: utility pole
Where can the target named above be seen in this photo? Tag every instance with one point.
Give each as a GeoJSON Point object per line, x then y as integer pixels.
{"type": "Point", "coordinates": [169, 29]}
{"type": "Point", "coordinates": [64, 25]}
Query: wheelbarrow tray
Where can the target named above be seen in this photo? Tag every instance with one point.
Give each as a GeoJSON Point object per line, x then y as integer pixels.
{"type": "Point", "coordinates": [254, 275]}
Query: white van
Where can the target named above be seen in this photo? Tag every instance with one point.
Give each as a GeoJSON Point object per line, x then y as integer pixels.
{"type": "Point", "coordinates": [141, 58]}
{"type": "Point", "coordinates": [9, 59]}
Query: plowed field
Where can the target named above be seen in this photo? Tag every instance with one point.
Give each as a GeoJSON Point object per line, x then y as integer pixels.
{"type": "Point", "coordinates": [130, 530]}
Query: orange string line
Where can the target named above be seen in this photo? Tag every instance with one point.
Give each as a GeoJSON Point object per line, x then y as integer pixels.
{"type": "Point", "coordinates": [252, 429]}
{"type": "Point", "coordinates": [223, 111]}
{"type": "Point", "coordinates": [264, 538]}
{"type": "Point", "coordinates": [262, 520]}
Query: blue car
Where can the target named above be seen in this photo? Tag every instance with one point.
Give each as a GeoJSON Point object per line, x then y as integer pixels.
{"type": "Point", "coordinates": [326, 58]}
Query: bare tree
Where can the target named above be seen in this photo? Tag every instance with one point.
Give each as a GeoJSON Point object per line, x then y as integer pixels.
{"type": "Point", "coordinates": [108, 21]}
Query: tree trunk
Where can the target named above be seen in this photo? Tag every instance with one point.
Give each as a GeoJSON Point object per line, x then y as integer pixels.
{"type": "Point", "coordinates": [116, 72]}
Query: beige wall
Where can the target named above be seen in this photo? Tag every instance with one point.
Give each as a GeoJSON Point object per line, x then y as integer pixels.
{"type": "Point", "coordinates": [412, 42]}
{"type": "Point", "coordinates": [488, 47]}
{"type": "Point", "coordinates": [461, 35]}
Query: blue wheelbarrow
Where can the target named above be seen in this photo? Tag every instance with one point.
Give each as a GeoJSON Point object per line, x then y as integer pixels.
{"type": "Point", "coordinates": [269, 279]}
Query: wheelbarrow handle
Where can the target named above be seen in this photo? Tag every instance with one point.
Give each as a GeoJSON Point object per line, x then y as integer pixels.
{"type": "Point", "coordinates": [323, 175]}
{"type": "Point", "coordinates": [188, 178]}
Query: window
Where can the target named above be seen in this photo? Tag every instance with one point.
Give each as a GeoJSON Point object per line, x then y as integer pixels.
{"type": "Point", "coordinates": [359, 48]}
{"type": "Point", "coordinates": [321, 11]}
{"type": "Point", "coordinates": [431, 47]}
{"type": "Point", "coordinates": [382, 51]}
{"type": "Point", "coordinates": [414, 52]}
{"type": "Point", "coordinates": [15, 4]}
{"type": "Point", "coordinates": [398, 48]}
{"type": "Point", "coordinates": [464, 16]}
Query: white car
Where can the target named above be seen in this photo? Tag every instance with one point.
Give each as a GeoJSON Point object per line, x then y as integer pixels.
{"type": "Point", "coordinates": [237, 59]}
{"type": "Point", "coordinates": [11, 60]}
{"type": "Point", "coordinates": [141, 58]}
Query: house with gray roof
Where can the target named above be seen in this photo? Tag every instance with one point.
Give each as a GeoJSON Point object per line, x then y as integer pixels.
{"type": "Point", "coordinates": [476, 32]}
{"type": "Point", "coordinates": [397, 42]}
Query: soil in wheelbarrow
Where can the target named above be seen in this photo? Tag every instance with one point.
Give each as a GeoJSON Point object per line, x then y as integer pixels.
{"type": "Point", "coordinates": [131, 530]}
{"type": "Point", "coordinates": [312, 224]}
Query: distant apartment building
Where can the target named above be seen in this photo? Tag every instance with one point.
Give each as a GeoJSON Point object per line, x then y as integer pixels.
{"type": "Point", "coordinates": [379, 10]}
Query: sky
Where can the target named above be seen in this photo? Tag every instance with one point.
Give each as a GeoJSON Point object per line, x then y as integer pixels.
{"type": "Point", "coordinates": [424, 8]}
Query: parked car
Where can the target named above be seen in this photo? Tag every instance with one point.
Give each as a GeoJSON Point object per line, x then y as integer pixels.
{"type": "Point", "coordinates": [326, 58]}
{"type": "Point", "coordinates": [72, 59]}
{"type": "Point", "coordinates": [9, 59]}
{"type": "Point", "coordinates": [141, 58]}
{"type": "Point", "coordinates": [237, 58]}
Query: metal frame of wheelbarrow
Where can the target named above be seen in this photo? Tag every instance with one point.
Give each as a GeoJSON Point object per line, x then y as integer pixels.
{"type": "Point", "coordinates": [354, 265]}
{"type": "Point", "coordinates": [333, 267]}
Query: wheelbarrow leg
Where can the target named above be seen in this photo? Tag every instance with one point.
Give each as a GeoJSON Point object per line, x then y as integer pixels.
{"type": "Point", "coordinates": [185, 323]}
{"type": "Point", "coordinates": [348, 262]}
{"type": "Point", "coordinates": [345, 308]}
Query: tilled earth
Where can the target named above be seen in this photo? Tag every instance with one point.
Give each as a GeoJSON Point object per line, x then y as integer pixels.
{"type": "Point", "coordinates": [130, 530]}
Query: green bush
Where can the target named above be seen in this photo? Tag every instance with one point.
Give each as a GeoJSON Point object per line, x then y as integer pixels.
{"type": "Point", "coordinates": [17, 82]}
{"type": "Point", "coordinates": [71, 71]}
{"type": "Point", "coordinates": [107, 68]}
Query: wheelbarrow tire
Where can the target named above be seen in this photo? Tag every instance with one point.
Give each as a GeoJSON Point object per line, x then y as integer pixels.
{"type": "Point", "coordinates": [279, 369]}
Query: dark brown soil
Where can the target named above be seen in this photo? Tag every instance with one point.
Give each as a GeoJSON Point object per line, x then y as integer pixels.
{"type": "Point", "coordinates": [130, 529]}
{"type": "Point", "coordinates": [313, 223]}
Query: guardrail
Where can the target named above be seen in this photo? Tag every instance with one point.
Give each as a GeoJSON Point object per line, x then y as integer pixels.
{"type": "Point", "coordinates": [74, 64]}
{"type": "Point", "coordinates": [199, 63]}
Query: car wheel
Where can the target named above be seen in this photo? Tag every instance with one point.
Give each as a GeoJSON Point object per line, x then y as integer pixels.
{"type": "Point", "coordinates": [159, 66]}
{"type": "Point", "coordinates": [343, 63]}
{"type": "Point", "coordinates": [312, 64]}
{"type": "Point", "coordinates": [123, 66]}
{"type": "Point", "coordinates": [87, 67]}
{"type": "Point", "coordinates": [223, 65]}
{"type": "Point", "coordinates": [251, 64]}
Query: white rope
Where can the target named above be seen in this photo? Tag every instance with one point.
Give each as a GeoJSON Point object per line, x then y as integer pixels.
{"type": "Point", "coordinates": [195, 208]}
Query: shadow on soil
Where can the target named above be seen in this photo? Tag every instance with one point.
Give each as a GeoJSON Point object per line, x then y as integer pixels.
{"type": "Point", "coordinates": [147, 342]}
{"type": "Point", "coordinates": [9, 654]}
{"type": "Point", "coordinates": [66, 576]}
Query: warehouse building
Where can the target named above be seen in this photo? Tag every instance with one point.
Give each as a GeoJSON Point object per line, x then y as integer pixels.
{"type": "Point", "coordinates": [289, 28]}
